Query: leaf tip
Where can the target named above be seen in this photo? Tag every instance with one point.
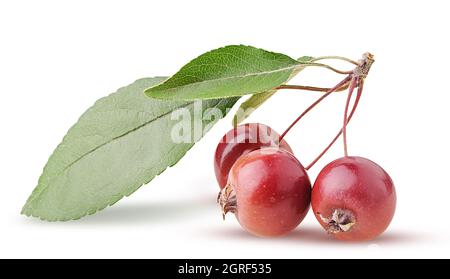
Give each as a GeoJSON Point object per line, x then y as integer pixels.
{"type": "Point", "coordinates": [24, 210]}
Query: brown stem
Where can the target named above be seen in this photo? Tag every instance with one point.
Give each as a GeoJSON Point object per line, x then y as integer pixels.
{"type": "Point", "coordinates": [339, 85]}
{"type": "Point", "coordinates": [354, 79]}
{"type": "Point", "coordinates": [311, 88]}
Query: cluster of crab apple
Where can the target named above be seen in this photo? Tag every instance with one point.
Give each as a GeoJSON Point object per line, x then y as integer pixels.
{"type": "Point", "coordinates": [270, 193]}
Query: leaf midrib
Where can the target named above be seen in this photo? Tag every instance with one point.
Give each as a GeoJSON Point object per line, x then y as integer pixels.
{"type": "Point", "coordinates": [219, 79]}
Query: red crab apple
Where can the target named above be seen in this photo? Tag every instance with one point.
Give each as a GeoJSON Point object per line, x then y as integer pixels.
{"type": "Point", "coordinates": [240, 141]}
{"type": "Point", "coordinates": [353, 198]}
{"type": "Point", "coordinates": [269, 192]}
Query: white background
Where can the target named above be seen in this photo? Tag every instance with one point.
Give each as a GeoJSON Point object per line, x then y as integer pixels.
{"type": "Point", "coordinates": [58, 57]}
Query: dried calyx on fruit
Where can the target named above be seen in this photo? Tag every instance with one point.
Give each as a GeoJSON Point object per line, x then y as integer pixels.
{"type": "Point", "coordinates": [341, 220]}
{"type": "Point", "coordinates": [227, 200]}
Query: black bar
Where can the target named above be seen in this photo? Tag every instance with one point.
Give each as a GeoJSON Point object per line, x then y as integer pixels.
{"type": "Point", "coordinates": [239, 268]}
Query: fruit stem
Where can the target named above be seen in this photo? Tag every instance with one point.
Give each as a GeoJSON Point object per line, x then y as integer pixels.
{"type": "Point", "coordinates": [359, 73]}
{"type": "Point", "coordinates": [353, 84]}
{"type": "Point", "coordinates": [336, 58]}
{"type": "Point", "coordinates": [331, 90]}
{"type": "Point", "coordinates": [310, 88]}
{"type": "Point", "coordinates": [356, 79]}
{"type": "Point", "coordinates": [355, 105]}
{"type": "Point", "coordinates": [327, 67]}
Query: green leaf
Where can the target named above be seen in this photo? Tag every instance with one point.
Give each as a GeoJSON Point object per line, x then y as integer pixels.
{"type": "Point", "coordinates": [117, 145]}
{"type": "Point", "coordinates": [230, 71]}
{"type": "Point", "coordinates": [256, 100]}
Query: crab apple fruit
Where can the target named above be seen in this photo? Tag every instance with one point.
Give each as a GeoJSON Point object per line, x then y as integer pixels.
{"type": "Point", "coordinates": [353, 198]}
{"type": "Point", "coordinates": [240, 141]}
{"type": "Point", "coordinates": [269, 192]}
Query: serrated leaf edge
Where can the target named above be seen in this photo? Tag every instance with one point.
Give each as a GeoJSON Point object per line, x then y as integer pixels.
{"type": "Point", "coordinates": [159, 95]}
{"type": "Point", "coordinates": [33, 196]}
